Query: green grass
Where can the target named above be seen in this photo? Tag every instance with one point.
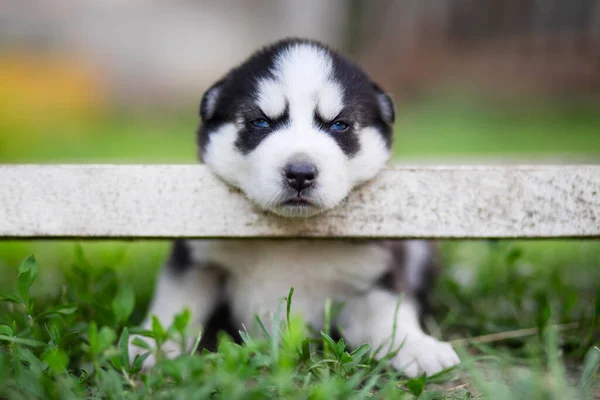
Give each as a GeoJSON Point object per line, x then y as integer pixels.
{"type": "Point", "coordinates": [74, 344]}
{"type": "Point", "coordinates": [61, 336]}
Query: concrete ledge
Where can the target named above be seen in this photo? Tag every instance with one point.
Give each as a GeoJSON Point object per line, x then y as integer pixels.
{"type": "Point", "coordinates": [160, 201]}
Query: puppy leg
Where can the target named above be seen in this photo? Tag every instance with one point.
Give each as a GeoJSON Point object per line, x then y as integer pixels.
{"type": "Point", "coordinates": [371, 318]}
{"type": "Point", "coordinates": [197, 288]}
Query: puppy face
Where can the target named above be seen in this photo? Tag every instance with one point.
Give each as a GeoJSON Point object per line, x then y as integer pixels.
{"type": "Point", "coordinates": [295, 127]}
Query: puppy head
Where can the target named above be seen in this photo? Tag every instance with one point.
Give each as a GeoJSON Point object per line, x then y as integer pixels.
{"type": "Point", "coordinates": [296, 127]}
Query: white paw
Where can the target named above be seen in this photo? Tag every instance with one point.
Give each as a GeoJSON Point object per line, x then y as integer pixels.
{"type": "Point", "coordinates": [170, 349]}
{"type": "Point", "coordinates": [424, 354]}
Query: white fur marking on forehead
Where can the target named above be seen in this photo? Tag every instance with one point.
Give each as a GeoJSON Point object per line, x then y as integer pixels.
{"type": "Point", "coordinates": [303, 70]}
{"type": "Point", "coordinates": [303, 66]}
{"type": "Point", "coordinates": [331, 101]}
{"type": "Point", "coordinates": [271, 98]}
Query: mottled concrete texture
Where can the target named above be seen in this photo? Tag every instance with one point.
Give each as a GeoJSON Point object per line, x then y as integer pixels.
{"type": "Point", "coordinates": [188, 201]}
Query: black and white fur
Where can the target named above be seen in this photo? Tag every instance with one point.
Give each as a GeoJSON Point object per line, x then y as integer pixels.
{"type": "Point", "coordinates": [296, 127]}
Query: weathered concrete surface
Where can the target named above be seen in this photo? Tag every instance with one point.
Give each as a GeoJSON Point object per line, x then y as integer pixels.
{"type": "Point", "coordinates": [188, 201]}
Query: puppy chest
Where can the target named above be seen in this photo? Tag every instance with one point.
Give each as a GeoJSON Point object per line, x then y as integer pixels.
{"type": "Point", "coordinates": [261, 273]}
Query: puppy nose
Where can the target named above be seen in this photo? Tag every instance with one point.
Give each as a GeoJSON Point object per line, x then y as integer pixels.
{"type": "Point", "coordinates": [300, 175]}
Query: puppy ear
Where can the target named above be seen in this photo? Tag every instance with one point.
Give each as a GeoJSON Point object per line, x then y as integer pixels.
{"type": "Point", "coordinates": [386, 105]}
{"type": "Point", "coordinates": [209, 102]}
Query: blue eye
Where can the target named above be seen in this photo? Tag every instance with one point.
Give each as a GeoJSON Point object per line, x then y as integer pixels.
{"type": "Point", "coordinates": [339, 126]}
{"type": "Point", "coordinates": [261, 123]}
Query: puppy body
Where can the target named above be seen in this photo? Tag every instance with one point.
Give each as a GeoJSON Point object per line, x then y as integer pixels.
{"type": "Point", "coordinates": [297, 127]}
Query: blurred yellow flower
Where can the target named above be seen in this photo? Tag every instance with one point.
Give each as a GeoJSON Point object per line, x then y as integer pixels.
{"type": "Point", "coordinates": [42, 89]}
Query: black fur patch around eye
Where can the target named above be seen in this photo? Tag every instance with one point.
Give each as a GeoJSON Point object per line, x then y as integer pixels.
{"type": "Point", "coordinates": [347, 140]}
{"type": "Point", "coordinates": [250, 136]}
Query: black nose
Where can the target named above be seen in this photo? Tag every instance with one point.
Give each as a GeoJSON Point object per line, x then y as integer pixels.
{"type": "Point", "coordinates": [300, 175]}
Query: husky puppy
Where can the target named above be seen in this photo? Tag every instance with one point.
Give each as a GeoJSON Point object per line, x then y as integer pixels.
{"type": "Point", "coordinates": [296, 127]}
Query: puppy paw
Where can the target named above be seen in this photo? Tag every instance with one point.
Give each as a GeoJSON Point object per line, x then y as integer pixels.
{"type": "Point", "coordinates": [424, 354]}
{"type": "Point", "coordinates": [169, 348]}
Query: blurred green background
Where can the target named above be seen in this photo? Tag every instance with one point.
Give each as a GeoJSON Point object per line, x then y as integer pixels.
{"type": "Point", "coordinates": [88, 83]}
